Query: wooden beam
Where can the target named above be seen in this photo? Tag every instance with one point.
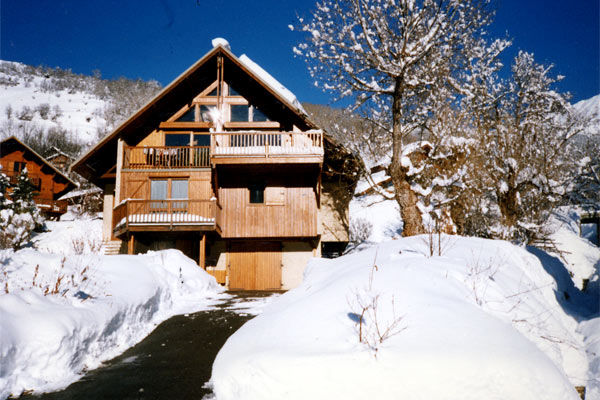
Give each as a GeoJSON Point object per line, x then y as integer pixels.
{"type": "Point", "coordinates": [202, 261]}
{"type": "Point", "coordinates": [184, 125]}
{"type": "Point", "coordinates": [253, 125]}
{"type": "Point", "coordinates": [131, 244]}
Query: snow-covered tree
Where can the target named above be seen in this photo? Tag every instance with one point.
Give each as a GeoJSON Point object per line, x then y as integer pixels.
{"type": "Point", "coordinates": [397, 61]}
{"type": "Point", "coordinates": [19, 216]}
{"type": "Point", "coordinates": [523, 128]}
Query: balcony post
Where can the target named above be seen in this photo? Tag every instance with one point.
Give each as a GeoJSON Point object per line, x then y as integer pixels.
{"type": "Point", "coordinates": [202, 258]}
{"type": "Point", "coordinates": [131, 244]}
{"type": "Point", "coordinates": [120, 150]}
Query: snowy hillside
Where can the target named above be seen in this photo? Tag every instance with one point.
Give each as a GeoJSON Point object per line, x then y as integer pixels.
{"type": "Point", "coordinates": [25, 101]}
{"type": "Point", "coordinates": [56, 101]}
{"type": "Point", "coordinates": [591, 108]}
{"type": "Point", "coordinates": [482, 321]}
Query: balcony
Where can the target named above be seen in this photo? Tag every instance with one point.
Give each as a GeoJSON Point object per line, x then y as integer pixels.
{"type": "Point", "coordinates": [239, 147]}
{"type": "Point", "coordinates": [244, 147]}
{"type": "Point", "coordinates": [162, 157]}
{"type": "Point", "coordinates": [166, 215]}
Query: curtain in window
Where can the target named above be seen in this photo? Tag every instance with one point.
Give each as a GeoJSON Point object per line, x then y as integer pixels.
{"type": "Point", "coordinates": [158, 189]}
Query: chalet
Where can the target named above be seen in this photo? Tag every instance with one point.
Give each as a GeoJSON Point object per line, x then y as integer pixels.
{"type": "Point", "coordinates": [50, 182]}
{"type": "Point", "coordinates": [225, 165]}
{"type": "Point", "coordinates": [59, 158]}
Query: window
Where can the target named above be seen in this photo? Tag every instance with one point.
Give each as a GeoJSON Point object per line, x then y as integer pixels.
{"type": "Point", "coordinates": [233, 92]}
{"type": "Point", "coordinates": [188, 116]}
{"type": "Point", "coordinates": [258, 115]}
{"type": "Point", "coordinates": [239, 113]}
{"type": "Point", "coordinates": [257, 194]}
{"type": "Point", "coordinates": [179, 189]}
{"type": "Point", "coordinates": [158, 189]}
{"type": "Point", "coordinates": [213, 92]}
{"type": "Point", "coordinates": [177, 139]}
{"type": "Point", "coordinates": [206, 113]}
{"type": "Point", "coordinates": [201, 140]}
{"type": "Point", "coordinates": [19, 166]}
{"type": "Point", "coordinates": [162, 190]}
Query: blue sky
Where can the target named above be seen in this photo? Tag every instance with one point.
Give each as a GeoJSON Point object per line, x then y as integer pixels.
{"type": "Point", "coordinates": [159, 39]}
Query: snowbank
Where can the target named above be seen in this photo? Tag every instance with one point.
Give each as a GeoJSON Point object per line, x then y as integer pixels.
{"type": "Point", "coordinates": [64, 315]}
{"type": "Point", "coordinates": [480, 322]}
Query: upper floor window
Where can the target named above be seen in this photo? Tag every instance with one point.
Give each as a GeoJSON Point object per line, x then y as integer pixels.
{"type": "Point", "coordinates": [177, 139]}
{"type": "Point", "coordinates": [188, 116]}
{"type": "Point", "coordinates": [239, 113]}
{"type": "Point", "coordinates": [19, 166]}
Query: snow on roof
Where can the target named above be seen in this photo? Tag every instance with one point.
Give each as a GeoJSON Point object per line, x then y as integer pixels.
{"type": "Point", "coordinates": [272, 82]}
{"type": "Point", "coordinates": [221, 42]}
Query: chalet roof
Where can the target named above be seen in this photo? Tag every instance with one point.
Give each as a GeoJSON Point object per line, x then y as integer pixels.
{"type": "Point", "coordinates": [55, 152]}
{"type": "Point", "coordinates": [102, 157]}
{"type": "Point", "coordinates": [12, 140]}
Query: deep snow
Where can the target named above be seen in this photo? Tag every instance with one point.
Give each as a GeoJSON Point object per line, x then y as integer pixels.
{"type": "Point", "coordinates": [62, 313]}
{"type": "Point", "coordinates": [484, 320]}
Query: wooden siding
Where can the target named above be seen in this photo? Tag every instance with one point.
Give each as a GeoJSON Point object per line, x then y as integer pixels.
{"type": "Point", "coordinates": [289, 210]}
{"type": "Point", "coordinates": [255, 265]}
{"type": "Point", "coordinates": [49, 186]}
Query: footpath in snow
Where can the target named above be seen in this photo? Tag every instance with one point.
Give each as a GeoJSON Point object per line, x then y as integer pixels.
{"type": "Point", "coordinates": [485, 320]}
{"type": "Point", "coordinates": [63, 313]}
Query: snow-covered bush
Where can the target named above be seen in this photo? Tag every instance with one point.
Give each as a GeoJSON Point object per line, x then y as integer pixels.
{"type": "Point", "coordinates": [19, 216]}
{"type": "Point", "coordinates": [360, 230]}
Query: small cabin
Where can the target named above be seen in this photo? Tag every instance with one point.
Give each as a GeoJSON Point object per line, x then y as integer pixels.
{"type": "Point", "coordinates": [50, 182]}
{"type": "Point", "coordinates": [225, 165]}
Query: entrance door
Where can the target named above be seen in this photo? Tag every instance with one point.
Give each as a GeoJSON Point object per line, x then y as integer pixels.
{"type": "Point", "coordinates": [255, 266]}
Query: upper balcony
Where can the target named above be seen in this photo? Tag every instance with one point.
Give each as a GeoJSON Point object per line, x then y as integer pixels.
{"type": "Point", "coordinates": [266, 147]}
{"type": "Point", "coordinates": [239, 147]}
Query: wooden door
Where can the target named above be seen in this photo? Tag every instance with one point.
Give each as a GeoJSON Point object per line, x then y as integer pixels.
{"type": "Point", "coordinates": [255, 266]}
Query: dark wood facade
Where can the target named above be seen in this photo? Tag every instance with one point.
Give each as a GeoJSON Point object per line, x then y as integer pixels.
{"type": "Point", "coordinates": [50, 183]}
{"type": "Point", "coordinates": [222, 160]}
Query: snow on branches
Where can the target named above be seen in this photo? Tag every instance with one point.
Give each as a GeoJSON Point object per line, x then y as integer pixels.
{"type": "Point", "coordinates": [397, 61]}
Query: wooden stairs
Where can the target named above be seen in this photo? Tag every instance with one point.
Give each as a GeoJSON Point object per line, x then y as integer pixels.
{"type": "Point", "coordinates": [111, 247]}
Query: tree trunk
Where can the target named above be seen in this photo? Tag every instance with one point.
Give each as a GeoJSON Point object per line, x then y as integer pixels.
{"type": "Point", "coordinates": [406, 198]}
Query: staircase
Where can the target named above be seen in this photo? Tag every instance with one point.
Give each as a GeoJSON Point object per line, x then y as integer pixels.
{"type": "Point", "coordinates": [111, 247]}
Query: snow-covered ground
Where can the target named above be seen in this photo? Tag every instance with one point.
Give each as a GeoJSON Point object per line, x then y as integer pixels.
{"type": "Point", "coordinates": [65, 308]}
{"type": "Point", "coordinates": [482, 321]}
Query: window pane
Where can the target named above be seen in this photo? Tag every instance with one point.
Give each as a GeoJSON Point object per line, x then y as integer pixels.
{"type": "Point", "coordinates": [205, 113]}
{"type": "Point", "coordinates": [257, 194]}
{"type": "Point", "coordinates": [202, 140]}
{"type": "Point", "coordinates": [239, 113]}
{"type": "Point", "coordinates": [177, 139]}
{"type": "Point", "coordinates": [258, 115]}
{"type": "Point", "coordinates": [188, 116]}
{"type": "Point", "coordinates": [232, 91]}
{"type": "Point", "coordinates": [158, 189]}
{"type": "Point", "coordinates": [179, 189]}
{"type": "Point", "coordinates": [213, 92]}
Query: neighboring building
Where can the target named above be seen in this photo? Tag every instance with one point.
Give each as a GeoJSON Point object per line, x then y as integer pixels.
{"type": "Point", "coordinates": [225, 165]}
{"type": "Point", "coordinates": [50, 183]}
{"type": "Point", "coordinates": [59, 159]}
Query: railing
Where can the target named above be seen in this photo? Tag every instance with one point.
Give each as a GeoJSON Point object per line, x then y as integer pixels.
{"type": "Point", "coordinates": [51, 206]}
{"type": "Point", "coordinates": [166, 157]}
{"type": "Point", "coordinates": [168, 213]}
{"type": "Point", "coordinates": [266, 143]}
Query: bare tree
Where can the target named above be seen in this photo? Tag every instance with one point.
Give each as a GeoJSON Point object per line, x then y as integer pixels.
{"type": "Point", "coordinates": [397, 60]}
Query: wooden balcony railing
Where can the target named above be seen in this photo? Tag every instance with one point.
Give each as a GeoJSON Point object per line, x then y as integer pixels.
{"type": "Point", "coordinates": [166, 157]}
{"type": "Point", "coordinates": [51, 206]}
{"type": "Point", "coordinates": [165, 215]}
{"type": "Point", "coordinates": [267, 144]}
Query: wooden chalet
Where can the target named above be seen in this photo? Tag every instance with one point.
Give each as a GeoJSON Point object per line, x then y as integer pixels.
{"type": "Point", "coordinates": [50, 182]}
{"type": "Point", "coordinates": [224, 165]}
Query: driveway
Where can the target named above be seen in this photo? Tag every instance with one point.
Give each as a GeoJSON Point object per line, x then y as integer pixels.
{"type": "Point", "coordinates": [174, 361]}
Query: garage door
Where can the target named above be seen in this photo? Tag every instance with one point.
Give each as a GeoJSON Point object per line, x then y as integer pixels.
{"type": "Point", "coordinates": [255, 266]}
